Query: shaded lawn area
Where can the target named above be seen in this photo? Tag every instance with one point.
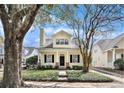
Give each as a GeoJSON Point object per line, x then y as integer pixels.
{"type": "Point", "coordinates": [40, 75]}
{"type": "Point", "coordinates": [87, 77]}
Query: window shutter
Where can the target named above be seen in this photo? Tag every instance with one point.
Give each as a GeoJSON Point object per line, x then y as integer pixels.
{"type": "Point", "coordinates": [52, 58]}
{"type": "Point", "coordinates": [44, 58]}
{"type": "Point", "coordinates": [70, 58]}
{"type": "Point", "coordinates": [78, 58]}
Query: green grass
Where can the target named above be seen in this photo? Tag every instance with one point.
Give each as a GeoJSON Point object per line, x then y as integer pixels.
{"type": "Point", "coordinates": [87, 77]}
{"type": "Point", "coordinates": [39, 75]}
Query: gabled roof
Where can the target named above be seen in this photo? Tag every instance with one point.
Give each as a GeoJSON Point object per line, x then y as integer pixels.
{"type": "Point", "coordinates": [62, 31]}
{"type": "Point", "coordinates": [28, 50]}
{"type": "Point", "coordinates": [109, 43]}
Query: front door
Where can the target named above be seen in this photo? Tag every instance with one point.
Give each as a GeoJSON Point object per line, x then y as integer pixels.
{"type": "Point", "coordinates": [62, 61]}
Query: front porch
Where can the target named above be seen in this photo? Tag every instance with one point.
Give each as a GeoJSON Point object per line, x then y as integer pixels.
{"type": "Point", "coordinates": [60, 57]}
{"type": "Point", "coordinates": [114, 54]}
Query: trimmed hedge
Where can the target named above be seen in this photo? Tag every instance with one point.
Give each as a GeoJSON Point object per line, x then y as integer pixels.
{"type": "Point", "coordinates": [45, 67]}
{"type": "Point", "coordinates": [119, 64]}
{"type": "Point", "coordinates": [76, 67]}
{"type": "Point", "coordinates": [86, 77]}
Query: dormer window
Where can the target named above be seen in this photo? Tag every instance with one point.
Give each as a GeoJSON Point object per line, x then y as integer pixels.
{"type": "Point", "coordinates": [62, 42]}
{"type": "Point", "coordinates": [57, 41]}
{"type": "Point", "coordinates": [66, 41]}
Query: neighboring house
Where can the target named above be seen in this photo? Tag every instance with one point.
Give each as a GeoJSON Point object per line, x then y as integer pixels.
{"type": "Point", "coordinates": [105, 52]}
{"type": "Point", "coordinates": [28, 52]}
{"type": "Point", "coordinates": [59, 50]}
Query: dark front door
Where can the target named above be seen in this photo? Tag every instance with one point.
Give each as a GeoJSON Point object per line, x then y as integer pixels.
{"type": "Point", "coordinates": [61, 60]}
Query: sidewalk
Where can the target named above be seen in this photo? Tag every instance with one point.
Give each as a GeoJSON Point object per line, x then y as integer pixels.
{"type": "Point", "coordinates": [111, 76]}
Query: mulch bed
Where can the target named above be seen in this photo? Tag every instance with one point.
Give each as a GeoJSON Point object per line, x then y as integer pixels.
{"type": "Point", "coordinates": [118, 73]}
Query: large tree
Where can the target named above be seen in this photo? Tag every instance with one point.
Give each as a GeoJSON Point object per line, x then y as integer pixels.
{"type": "Point", "coordinates": [86, 21]}
{"type": "Point", "coordinates": [16, 21]}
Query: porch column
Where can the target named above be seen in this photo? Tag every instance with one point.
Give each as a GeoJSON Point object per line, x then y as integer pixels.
{"type": "Point", "coordinates": [113, 58]}
{"type": "Point", "coordinates": [39, 61]}
{"type": "Point", "coordinates": [67, 60]}
{"type": "Point", "coordinates": [57, 57]}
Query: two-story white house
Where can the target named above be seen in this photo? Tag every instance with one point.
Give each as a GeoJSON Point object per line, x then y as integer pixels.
{"type": "Point", "coordinates": [60, 49]}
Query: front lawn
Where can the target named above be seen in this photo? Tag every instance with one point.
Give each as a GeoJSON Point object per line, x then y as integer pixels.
{"type": "Point", "coordinates": [87, 77]}
{"type": "Point", "coordinates": [40, 75]}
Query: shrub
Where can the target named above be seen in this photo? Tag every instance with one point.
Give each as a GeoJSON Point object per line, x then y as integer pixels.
{"type": "Point", "coordinates": [75, 67]}
{"type": "Point", "coordinates": [68, 67]}
{"type": "Point", "coordinates": [39, 67]}
{"type": "Point", "coordinates": [49, 67]}
{"type": "Point", "coordinates": [56, 65]}
{"type": "Point", "coordinates": [119, 64]}
{"type": "Point", "coordinates": [32, 62]}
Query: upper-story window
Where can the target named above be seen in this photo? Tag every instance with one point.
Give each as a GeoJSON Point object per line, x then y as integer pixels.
{"type": "Point", "coordinates": [62, 42]}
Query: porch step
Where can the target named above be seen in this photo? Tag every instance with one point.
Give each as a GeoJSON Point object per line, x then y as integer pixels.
{"type": "Point", "coordinates": [62, 68]}
{"type": "Point", "coordinates": [62, 73]}
{"type": "Point", "coordinates": [62, 79]}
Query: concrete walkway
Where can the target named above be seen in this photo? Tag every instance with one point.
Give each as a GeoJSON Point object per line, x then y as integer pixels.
{"type": "Point", "coordinates": [62, 72]}
{"type": "Point", "coordinates": [62, 75]}
{"type": "Point", "coordinates": [111, 76]}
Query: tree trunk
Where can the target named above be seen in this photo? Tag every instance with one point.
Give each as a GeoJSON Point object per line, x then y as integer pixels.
{"type": "Point", "coordinates": [12, 65]}
{"type": "Point", "coordinates": [86, 61]}
{"type": "Point", "coordinates": [20, 59]}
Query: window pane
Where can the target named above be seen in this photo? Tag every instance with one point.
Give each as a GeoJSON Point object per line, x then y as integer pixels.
{"type": "Point", "coordinates": [74, 58]}
{"type": "Point", "coordinates": [57, 41]}
{"type": "Point", "coordinates": [62, 41]}
{"type": "Point", "coordinates": [66, 41]}
{"type": "Point", "coordinates": [49, 58]}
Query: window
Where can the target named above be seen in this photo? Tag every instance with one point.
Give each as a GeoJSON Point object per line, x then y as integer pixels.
{"type": "Point", "coordinates": [66, 41]}
{"type": "Point", "coordinates": [49, 58]}
{"type": "Point", "coordinates": [57, 41]}
{"type": "Point", "coordinates": [61, 41]}
{"type": "Point", "coordinates": [74, 58]}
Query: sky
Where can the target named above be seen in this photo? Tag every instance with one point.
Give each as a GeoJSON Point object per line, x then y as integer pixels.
{"type": "Point", "coordinates": [32, 37]}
